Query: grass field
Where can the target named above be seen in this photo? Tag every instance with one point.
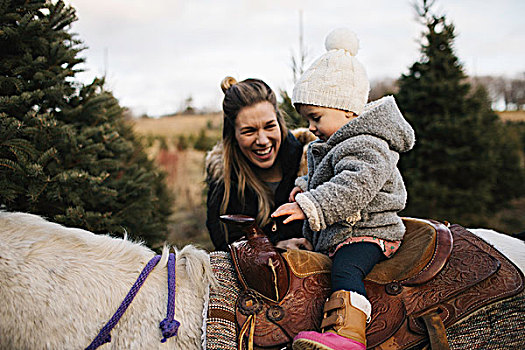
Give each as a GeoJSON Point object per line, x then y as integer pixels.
{"type": "Point", "coordinates": [512, 116]}
{"type": "Point", "coordinates": [185, 171]}
{"type": "Point", "coordinates": [192, 124]}
{"type": "Point", "coordinates": [178, 124]}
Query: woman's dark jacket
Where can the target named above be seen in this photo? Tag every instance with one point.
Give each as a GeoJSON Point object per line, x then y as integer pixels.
{"type": "Point", "coordinates": [290, 155]}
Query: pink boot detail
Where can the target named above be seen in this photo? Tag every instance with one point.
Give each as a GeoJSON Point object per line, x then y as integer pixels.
{"type": "Point", "coordinates": [325, 341]}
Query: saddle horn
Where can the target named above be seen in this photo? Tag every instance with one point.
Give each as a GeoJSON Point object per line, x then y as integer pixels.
{"type": "Point", "coordinates": [245, 224]}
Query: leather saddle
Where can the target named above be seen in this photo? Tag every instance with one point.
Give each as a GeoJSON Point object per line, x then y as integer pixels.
{"type": "Point", "coordinates": [440, 274]}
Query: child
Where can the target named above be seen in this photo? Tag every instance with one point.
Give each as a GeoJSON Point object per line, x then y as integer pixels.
{"type": "Point", "coordinates": [353, 191]}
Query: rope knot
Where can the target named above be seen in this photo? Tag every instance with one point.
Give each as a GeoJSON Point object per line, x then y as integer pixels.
{"type": "Point", "coordinates": [169, 328]}
{"type": "Point", "coordinates": [106, 339]}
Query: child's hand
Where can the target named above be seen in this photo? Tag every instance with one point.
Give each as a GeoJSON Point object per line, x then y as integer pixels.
{"type": "Point", "coordinates": [295, 191]}
{"type": "Point", "coordinates": [292, 209]}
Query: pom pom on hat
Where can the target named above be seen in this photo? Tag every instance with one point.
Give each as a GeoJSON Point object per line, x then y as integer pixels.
{"type": "Point", "coordinates": [342, 39]}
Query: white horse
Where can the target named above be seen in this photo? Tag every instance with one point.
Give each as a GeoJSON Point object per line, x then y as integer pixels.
{"type": "Point", "coordinates": [59, 286]}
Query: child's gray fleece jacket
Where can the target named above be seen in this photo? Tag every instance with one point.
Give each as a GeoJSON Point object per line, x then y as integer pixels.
{"type": "Point", "coordinates": [353, 187]}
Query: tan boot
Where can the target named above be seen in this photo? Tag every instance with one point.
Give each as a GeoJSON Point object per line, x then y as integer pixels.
{"type": "Point", "coordinates": [344, 324]}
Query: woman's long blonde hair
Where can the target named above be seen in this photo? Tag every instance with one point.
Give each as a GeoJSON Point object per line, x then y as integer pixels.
{"type": "Point", "coordinates": [238, 95]}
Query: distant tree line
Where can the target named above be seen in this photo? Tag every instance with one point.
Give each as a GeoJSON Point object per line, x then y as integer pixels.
{"type": "Point", "coordinates": [506, 92]}
{"type": "Point", "coordinates": [509, 90]}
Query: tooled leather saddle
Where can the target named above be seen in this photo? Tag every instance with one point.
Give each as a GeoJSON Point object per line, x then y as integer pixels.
{"type": "Point", "coordinates": [439, 275]}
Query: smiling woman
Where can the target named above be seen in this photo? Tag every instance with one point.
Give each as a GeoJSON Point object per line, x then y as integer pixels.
{"type": "Point", "coordinates": [258, 135]}
{"type": "Point", "coordinates": [253, 169]}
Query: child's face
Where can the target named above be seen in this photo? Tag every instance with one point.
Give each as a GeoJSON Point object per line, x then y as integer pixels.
{"type": "Point", "coordinates": [324, 121]}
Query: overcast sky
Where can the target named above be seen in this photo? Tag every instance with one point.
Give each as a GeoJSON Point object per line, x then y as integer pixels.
{"type": "Point", "coordinates": [157, 53]}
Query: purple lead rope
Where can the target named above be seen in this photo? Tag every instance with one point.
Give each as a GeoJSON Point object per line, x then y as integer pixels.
{"type": "Point", "coordinates": [169, 326]}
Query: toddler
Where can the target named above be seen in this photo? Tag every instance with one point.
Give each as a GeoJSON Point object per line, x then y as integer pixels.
{"type": "Point", "coordinates": [353, 191]}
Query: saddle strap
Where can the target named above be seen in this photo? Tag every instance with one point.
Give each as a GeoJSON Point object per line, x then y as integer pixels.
{"type": "Point", "coordinates": [247, 327]}
{"type": "Point", "coordinates": [436, 331]}
{"type": "Point", "coordinates": [331, 305]}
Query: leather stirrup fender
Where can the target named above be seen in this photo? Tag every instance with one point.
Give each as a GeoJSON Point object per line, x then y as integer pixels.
{"type": "Point", "coordinates": [436, 330]}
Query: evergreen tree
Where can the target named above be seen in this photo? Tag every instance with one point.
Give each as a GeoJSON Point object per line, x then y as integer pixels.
{"type": "Point", "coordinates": [457, 169]}
{"type": "Point", "coordinates": [65, 151]}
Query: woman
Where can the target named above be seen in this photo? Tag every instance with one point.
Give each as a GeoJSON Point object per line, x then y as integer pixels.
{"type": "Point", "coordinates": [253, 169]}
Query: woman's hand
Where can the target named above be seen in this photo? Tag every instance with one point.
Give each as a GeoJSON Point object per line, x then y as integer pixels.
{"type": "Point", "coordinates": [295, 243]}
{"type": "Point", "coordinates": [293, 210]}
{"type": "Point", "coordinates": [294, 191]}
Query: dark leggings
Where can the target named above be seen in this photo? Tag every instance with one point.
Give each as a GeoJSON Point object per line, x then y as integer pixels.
{"type": "Point", "coordinates": [352, 263]}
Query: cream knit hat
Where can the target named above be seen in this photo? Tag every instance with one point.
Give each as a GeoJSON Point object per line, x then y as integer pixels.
{"type": "Point", "coordinates": [336, 79]}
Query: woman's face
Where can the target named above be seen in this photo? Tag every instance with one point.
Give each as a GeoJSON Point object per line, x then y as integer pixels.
{"type": "Point", "coordinates": [258, 134]}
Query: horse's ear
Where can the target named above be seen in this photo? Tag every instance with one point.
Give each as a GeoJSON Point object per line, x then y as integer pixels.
{"type": "Point", "coordinates": [165, 255]}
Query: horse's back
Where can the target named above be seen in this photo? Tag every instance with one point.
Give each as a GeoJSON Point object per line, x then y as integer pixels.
{"type": "Point", "coordinates": [513, 248]}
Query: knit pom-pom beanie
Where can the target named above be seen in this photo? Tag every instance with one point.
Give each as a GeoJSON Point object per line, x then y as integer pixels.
{"type": "Point", "coordinates": [336, 79]}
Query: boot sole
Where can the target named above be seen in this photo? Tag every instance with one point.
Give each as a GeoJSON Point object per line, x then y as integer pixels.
{"type": "Point", "coordinates": [306, 344]}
